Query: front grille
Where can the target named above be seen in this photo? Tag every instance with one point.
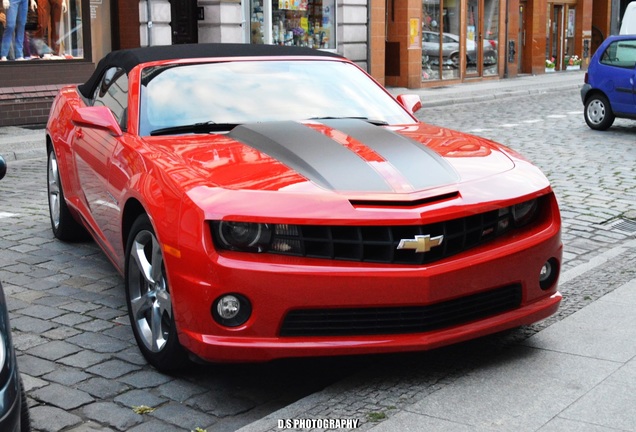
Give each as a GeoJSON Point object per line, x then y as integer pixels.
{"type": "Point", "coordinates": [378, 244]}
{"type": "Point", "coordinates": [400, 320]}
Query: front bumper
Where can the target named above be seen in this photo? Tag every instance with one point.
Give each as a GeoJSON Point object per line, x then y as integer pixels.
{"type": "Point", "coordinates": [277, 285]}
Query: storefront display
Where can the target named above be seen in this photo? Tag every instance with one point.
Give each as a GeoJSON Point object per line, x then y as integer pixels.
{"type": "Point", "coordinates": [308, 23]}
{"type": "Point", "coordinates": [459, 39]}
{"type": "Point", "coordinates": [440, 39]}
{"type": "Point", "coordinates": [43, 29]}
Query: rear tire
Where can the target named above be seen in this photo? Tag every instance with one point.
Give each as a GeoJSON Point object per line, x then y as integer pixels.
{"type": "Point", "coordinates": [63, 224]}
{"type": "Point", "coordinates": [598, 112]}
{"type": "Point", "coordinates": [149, 300]}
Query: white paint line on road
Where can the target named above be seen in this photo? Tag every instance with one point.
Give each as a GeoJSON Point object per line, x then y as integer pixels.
{"type": "Point", "coordinates": [596, 262]}
{"type": "Point", "coordinates": [533, 121]}
{"type": "Point", "coordinates": [7, 215]}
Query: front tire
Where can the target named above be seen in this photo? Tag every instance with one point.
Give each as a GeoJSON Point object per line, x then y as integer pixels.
{"type": "Point", "coordinates": [149, 299]}
{"type": "Point", "coordinates": [454, 58]}
{"type": "Point", "coordinates": [25, 416]}
{"type": "Point", "coordinates": [63, 224]}
{"type": "Point", "coordinates": [598, 112]}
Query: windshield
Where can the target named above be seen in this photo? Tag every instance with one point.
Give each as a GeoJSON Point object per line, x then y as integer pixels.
{"type": "Point", "coordinates": [260, 91]}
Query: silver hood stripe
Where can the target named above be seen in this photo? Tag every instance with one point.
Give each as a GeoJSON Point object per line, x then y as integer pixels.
{"type": "Point", "coordinates": [421, 166]}
{"type": "Point", "coordinates": [333, 166]}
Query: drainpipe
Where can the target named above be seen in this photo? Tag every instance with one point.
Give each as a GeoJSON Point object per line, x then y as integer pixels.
{"type": "Point", "coordinates": [506, 48]}
{"type": "Point", "coordinates": [148, 23]}
{"type": "Point", "coordinates": [369, 40]}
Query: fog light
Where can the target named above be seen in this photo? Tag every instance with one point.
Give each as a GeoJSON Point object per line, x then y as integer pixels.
{"type": "Point", "coordinates": [231, 310]}
{"type": "Point", "coordinates": [228, 307]}
{"type": "Point", "coordinates": [548, 273]}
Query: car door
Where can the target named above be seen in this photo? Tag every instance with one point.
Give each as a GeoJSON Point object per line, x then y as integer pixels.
{"type": "Point", "coordinates": [93, 149]}
{"type": "Point", "coordinates": [619, 77]}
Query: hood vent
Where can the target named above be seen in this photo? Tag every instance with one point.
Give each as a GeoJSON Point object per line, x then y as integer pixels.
{"type": "Point", "coordinates": [404, 204]}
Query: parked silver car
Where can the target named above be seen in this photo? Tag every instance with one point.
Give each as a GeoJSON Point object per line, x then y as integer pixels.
{"type": "Point", "coordinates": [450, 49]}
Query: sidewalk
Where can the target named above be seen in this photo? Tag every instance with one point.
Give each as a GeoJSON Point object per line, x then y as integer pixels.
{"type": "Point", "coordinates": [578, 374]}
{"type": "Point", "coordinates": [495, 89]}
{"type": "Point", "coordinates": [21, 143]}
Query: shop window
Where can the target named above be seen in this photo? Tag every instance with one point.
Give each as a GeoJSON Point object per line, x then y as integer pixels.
{"type": "Point", "coordinates": [308, 23]}
{"type": "Point", "coordinates": [440, 39]}
{"type": "Point", "coordinates": [570, 32]}
{"type": "Point", "coordinates": [490, 37]}
{"type": "Point", "coordinates": [100, 28]}
{"type": "Point", "coordinates": [42, 29]}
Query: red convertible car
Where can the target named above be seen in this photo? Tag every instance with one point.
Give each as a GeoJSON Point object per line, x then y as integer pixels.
{"type": "Point", "coordinates": [265, 202]}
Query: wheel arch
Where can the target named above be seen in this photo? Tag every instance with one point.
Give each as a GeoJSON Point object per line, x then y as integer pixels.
{"type": "Point", "coordinates": [595, 92]}
{"type": "Point", "coordinates": [132, 210]}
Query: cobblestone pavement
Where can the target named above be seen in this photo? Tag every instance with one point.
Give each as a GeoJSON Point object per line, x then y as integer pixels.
{"type": "Point", "coordinates": [82, 369]}
{"type": "Point", "coordinates": [76, 352]}
{"type": "Point", "coordinates": [594, 176]}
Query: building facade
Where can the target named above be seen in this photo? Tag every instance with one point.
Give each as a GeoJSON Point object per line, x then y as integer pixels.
{"type": "Point", "coordinates": [405, 43]}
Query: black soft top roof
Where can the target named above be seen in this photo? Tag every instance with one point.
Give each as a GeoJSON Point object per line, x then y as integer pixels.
{"type": "Point", "coordinates": [128, 59]}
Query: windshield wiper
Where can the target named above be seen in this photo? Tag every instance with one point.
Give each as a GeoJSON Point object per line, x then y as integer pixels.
{"type": "Point", "coordinates": [204, 127]}
{"type": "Point", "coordinates": [366, 119]}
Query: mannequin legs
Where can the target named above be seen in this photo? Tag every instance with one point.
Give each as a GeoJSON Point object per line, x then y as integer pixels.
{"type": "Point", "coordinates": [16, 20]}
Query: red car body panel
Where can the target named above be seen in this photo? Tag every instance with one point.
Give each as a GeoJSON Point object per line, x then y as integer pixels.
{"type": "Point", "coordinates": [184, 181]}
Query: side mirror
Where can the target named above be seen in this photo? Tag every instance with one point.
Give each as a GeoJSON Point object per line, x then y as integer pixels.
{"type": "Point", "coordinates": [3, 167]}
{"type": "Point", "coordinates": [98, 117]}
{"type": "Point", "coordinates": [411, 102]}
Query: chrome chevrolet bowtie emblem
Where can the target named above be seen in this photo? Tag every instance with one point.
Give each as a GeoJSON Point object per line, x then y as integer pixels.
{"type": "Point", "coordinates": [421, 243]}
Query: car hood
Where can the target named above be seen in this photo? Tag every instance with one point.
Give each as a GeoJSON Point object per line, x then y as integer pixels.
{"type": "Point", "coordinates": [350, 157]}
{"type": "Point", "coordinates": [343, 171]}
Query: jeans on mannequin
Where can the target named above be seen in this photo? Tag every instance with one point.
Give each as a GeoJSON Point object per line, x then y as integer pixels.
{"type": "Point", "coordinates": [16, 21]}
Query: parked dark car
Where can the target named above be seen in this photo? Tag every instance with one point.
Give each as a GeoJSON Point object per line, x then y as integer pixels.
{"type": "Point", "coordinates": [14, 411]}
{"type": "Point", "coordinates": [610, 83]}
{"type": "Point", "coordinates": [3, 167]}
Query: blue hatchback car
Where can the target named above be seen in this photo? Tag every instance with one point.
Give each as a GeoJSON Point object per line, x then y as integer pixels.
{"type": "Point", "coordinates": [610, 83]}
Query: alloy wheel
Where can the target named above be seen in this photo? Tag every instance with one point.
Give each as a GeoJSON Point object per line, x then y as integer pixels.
{"type": "Point", "coordinates": [54, 190]}
{"type": "Point", "coordinates": [150, 301]}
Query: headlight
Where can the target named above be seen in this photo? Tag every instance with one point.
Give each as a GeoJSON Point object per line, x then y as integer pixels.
{"type": "Point", "coordinates": [243, 236]}
{"type": "Point", "coordinates": [524, 212]}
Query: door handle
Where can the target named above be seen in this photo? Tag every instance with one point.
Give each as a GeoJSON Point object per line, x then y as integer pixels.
{"type": "Point", "coordinates": [79, 133]}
